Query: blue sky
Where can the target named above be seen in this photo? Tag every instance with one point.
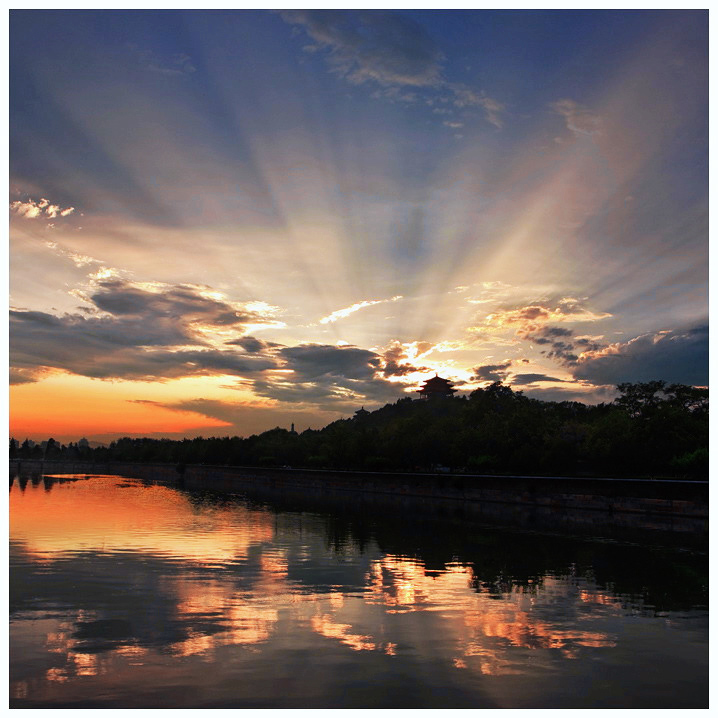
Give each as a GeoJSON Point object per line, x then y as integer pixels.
{"type": "Point", "coordinates": [243, 218]}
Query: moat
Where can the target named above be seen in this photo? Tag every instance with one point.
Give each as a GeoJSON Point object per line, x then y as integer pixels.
{"type": "Point", "coordinates": [128, 592]}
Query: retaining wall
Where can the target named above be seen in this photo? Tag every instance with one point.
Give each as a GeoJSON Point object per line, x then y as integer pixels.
{"type": "Point", "coordinates": [688, 499]}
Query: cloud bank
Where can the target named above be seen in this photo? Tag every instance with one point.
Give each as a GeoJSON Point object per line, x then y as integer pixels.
{"type": "Point", "coordinates": [677, 356]}
{"type": "Point", "coordinates": [156, 332]}
{"type": "Point", "coordinates": [135, 331]}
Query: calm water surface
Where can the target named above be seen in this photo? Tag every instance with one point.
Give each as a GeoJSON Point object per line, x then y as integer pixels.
{"type": "Point", "coordinates": [124, 593]}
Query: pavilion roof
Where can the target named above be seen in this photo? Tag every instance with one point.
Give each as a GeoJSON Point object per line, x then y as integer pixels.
{"type": "Point", "coordinates": [437, 383]}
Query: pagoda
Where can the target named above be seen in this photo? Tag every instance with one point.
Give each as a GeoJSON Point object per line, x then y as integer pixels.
{"type": "Point", "coordinates": [437, 388]}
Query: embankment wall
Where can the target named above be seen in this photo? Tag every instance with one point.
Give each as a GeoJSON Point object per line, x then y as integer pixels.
{"type": "Point", "coordinates": [687, 499]}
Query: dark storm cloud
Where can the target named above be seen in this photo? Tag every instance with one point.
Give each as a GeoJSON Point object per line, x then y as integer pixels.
{"type": "Point", "coordinates": [491, 372]}
{"type": "Point", "coordinates": [556, 332]}
{"type": "Point", "coordinates": [252, 344]}
{"type": "Point", "coordinates": [147, 335]}
{"type": "Point", "coordinates": [339, 394]}
{"type": "Point", "coordinates": [181, 303]}
{"type": "Point", "coordinates": [523, 379]}
{"type": "Point", "coordinates": [678, 356]}
{"type": "Point", "coordinates": [213, 408]}
{"type": "Point", "coordinates": [141, 334]}
{"type": "Point", "coordinates": [375, 45]}
{"type": "Point", "coordinates": [154, 337]}
{"type": "Point", "coordinates": [211, 361]}
{"type": "Point", "coordinates": [105, 348]}
{"type": "Point", "coordinates": [23, 376]}
{"type": "Point", "coordinates": [313, 361]}
{"type": "Point", "coordinates": [330, 376]}
{"type": "Point", "coordinates": [77, 332]}
{"type": "Point", "coordinates": [563, 351]}
{"type": "Point", "coordinates": [393, 368]}
{"type": "Point", "coordinates": [245, 418]}
{"type": "Point", "coordinates": [563, 346]}
{"type": "Point", "coordinates": [75, 342]}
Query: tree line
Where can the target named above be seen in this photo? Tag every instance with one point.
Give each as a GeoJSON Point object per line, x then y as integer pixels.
{"type": "Point", "coordinates": [651, 429]}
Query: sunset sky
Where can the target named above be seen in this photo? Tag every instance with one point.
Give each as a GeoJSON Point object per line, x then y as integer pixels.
{"type": "Point", "coordinates": [221, 222]}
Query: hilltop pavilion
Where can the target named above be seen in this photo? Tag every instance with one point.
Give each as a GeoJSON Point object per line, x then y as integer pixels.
{"type": "Point", "coordinates": [437, 388]}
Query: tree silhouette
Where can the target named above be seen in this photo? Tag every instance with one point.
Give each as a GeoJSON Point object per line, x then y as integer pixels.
{"type": "Point", "coordinates": [651, 429]}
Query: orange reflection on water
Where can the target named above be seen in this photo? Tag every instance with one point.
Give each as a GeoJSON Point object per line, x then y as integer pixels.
{"type": "Point", "coordinates": [100, 515]}
{"type": "Point", "coordinates": [403, 585]}
{"type": "Point", "coordinates": [135, 652]}
{"type": "Point", "coordinates": [243, 620]}
{"type": "Point", "coordinates": [600, 598]}
{"type": "Point", "coordinates": [483, 626]}
{"type": "Point", "coordinates": [325, 626]}
{"type": "Point", "coordinates": [240, 604]}
{"type": "Point", "coordinates": [274, 569]}
{"type": "Point", "coordinates": [77, 661]}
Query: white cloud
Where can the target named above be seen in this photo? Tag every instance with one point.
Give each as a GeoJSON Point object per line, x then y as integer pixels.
{"type": "Point", "coordinates": [379, 46]}
{"type": "Point", "coordinates": [579, 120]}
{"type": "Point", "coordinates": [26, 209]}
{"type": "Point", "coordinates": [341, 313]}
{"type": "Point", "coordinates": [32, 209]}
{"type": "Point", "coordinates": [466, 97]}
{"type": "Point", "coordinates": [530, 318]}
{"type": "Point", "coordinates": [391, 50]}
{"type": "Point", "coordinates": [79, 260]}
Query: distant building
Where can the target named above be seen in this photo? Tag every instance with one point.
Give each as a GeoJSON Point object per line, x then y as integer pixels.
{"type": "Point", "coordinates": [361, 413]}
{"type": "Point", "coordinates": [437, 388]}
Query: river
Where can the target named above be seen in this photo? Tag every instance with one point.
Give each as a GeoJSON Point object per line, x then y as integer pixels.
{"type": "Point", "coordinates": [129, 593]}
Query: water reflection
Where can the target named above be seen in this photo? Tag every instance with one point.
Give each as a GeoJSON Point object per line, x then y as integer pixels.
{"type": "Point", "coordinates": [121, 591]}
{"type": "Point", "coordinates": [98, 515]}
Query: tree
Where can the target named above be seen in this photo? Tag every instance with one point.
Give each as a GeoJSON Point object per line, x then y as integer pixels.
{"type": "Point", "coordinates": [52, 449]}
{"type": "Point", "coordinates": [641, 399]}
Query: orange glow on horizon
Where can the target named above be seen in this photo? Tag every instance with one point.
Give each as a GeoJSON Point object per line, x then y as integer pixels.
{"type": "Point", "coordinates": [72, 406]}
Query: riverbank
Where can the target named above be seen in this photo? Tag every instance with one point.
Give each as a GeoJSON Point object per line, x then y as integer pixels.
{"type": "Point", "coordinates": [613, 498]}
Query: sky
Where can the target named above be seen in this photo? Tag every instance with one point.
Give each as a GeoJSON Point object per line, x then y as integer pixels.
{"type": "Point", "coordinates": [227, 221]}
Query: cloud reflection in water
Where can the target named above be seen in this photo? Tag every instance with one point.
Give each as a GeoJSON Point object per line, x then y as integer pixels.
{"type": "Point", "coordinates": [130, 584]}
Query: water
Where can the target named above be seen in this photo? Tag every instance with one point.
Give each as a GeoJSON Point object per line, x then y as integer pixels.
{"type": "Point", "coordinates": [127, 594]}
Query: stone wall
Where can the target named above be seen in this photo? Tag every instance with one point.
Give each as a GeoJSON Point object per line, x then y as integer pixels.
{"type": "Point", "coordinates": [614, 496]}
